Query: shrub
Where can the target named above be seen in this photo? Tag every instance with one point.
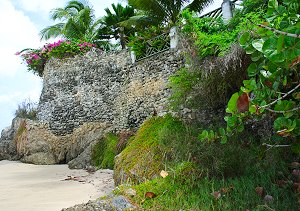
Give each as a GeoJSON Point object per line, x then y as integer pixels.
{"type": "Point", "coordinates": [37, 58]}
{"type": "Point", "coordinates": [27, 110]}
{"type": "Point", "coordinates": [139, 41]}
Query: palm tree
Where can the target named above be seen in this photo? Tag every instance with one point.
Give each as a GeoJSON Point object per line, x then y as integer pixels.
{"type": "Point", "coordinates": [78, 22]}
{"type": "Point", "coordinates": [112, 22]}
{"type": "Point", "coordinates": [163, 11]}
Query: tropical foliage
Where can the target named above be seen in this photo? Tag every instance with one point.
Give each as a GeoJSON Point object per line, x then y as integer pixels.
{"type": "Point", "coordinates": [77, 22]}
{"type": "Point", "coordinates": [273, 84]}
{"type": "Point", "coordinates": [37, 58]}
{"type": "Point", "coordinates": [157, 12]}
{"type": "Point", "coordinates": [111, 23]}
{"type": "Point", "coordinates": [139, 41]}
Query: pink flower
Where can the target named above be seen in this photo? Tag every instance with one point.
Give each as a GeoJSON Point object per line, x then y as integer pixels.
{"type": "Point", "coordinates": [17, 53]}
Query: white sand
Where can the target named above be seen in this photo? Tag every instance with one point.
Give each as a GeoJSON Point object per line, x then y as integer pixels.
{"type": "Point", "coordinates": [26, 187]}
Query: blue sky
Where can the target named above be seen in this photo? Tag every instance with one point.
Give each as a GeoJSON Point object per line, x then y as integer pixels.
{"type": "Point", "coordinates": [21, 21]}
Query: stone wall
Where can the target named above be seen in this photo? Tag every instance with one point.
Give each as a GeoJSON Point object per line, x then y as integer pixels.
{"type": "Point", "coordinates": [103, 87]}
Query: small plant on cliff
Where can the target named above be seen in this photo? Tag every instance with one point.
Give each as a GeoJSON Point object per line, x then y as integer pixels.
{"type": "Point", "coordinates": [139, 42]}
{"type": "Point", "coordinates": [37, 58]}
{"type": "Point", "coordinates": [26, 110]}
{"type": "Point", "coordinates": [104, 152]}
{"type": "Point", "coordinates": [273, 85]}
{"type": "Point", "coordinates": [212, 36]}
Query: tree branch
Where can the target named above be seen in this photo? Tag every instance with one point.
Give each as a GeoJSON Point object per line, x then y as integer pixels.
{"type": "Point", "coordinates": [278, 31]}
{"type": "Point", "coordinates": [283, 112]}
{"type": "Point", "coordinates": [284, 96]}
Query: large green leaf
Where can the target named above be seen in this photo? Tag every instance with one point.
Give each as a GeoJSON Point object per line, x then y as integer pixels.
{"type": "Point", "coordinates": [232, 106]}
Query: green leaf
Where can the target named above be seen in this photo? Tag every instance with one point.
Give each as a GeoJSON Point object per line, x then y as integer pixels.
{"type": "Point", "coordinates": [231, 121]}
{"type": "Point", "coordinates": [273, 4]}
{"type": "Point", "coordinates": [224, 140]}
{"type": "Point", "coordinates": [222, 131]}
{"type": "Point", "coordinates": [280, 43]}
{"type": "Point", "coordinates": [284, 82]}
{"type": "Point", "coordinates": [203, 136]}
{"type": "Point", "coordinates": [211, 135]}
{"type": "Point", "coordinates": [252, 69]}
{"type": "Point", "coordinates": [256, 56]}
{"type": "Point", "coordinates": [240, 128]}
{"type": "Point", "coordinates": [245, 38]}
{"type": "Point", "coordinates": [232, 107]}
{"type": "Point", "coordinates": [285, 105]}
{"type": "Point", "coordinates": [252, 109]}
{"type": "Point", "coordinates": [258, 44]}
{"type": "Point", "coordinates": [282, 123]}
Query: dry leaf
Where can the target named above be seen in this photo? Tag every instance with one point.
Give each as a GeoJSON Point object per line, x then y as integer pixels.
{"type": "Point", "coordinates": [164, 174]}
{"type": "Point", "coordinates": [296, 186]}
{"type": "Point", "coordinates": [281, 183]}
{"type": "Point", "coordinates": [216, 194]}
{"type": "Point", "coordinates": [243, 103]}
{"type": "Point", "coordinates": [224, 190]}
{"type": "Point", "coordinates": [150, 195]}
{"type": "Point", "coordinates": [260, 191]}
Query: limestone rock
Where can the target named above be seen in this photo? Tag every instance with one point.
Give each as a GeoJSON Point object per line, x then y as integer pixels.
{"type": "Point", "coordinates": [40, 158]}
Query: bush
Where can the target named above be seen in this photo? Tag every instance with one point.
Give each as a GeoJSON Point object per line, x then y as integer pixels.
{"type": "Point", "coordinates": [139, 41]}
{"type": "Point", "coordinates": [27, 110]}
{"type": "Point", "coordinates": [37, 58]}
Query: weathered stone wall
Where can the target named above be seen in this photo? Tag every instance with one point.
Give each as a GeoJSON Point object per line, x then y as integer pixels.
{"type": "Point", "coordinates": [100, 87]}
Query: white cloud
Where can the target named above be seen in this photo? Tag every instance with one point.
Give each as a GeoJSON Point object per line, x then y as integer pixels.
{"type": "Point", "coordinates": [40, 6]}
{"type": "Point", "coordinates": [17, 32]}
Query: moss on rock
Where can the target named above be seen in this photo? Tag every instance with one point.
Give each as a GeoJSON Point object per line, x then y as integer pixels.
{"type": "Point", "coordinates": [104, 152]}
{"type": "Point", "coordinates": [143, 157]}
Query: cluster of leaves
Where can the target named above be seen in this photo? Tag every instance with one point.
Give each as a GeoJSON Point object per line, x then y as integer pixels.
{"type": "Point", "coordinates": [37, 58]}
{"type": "Point", "coordinates": [27, 110]}
{"type": "Point", "coordinates": [181, 84]}
{"type": "Point", "coordinates": [141, 39]}
{"type": "Point", "coordinates": [212, 36]}
{"type": "Point", "coordinates": [273, 84]}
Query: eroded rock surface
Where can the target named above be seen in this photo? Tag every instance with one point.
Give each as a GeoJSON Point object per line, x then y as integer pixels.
{"type": "Point", "coordinates": [33, 142]}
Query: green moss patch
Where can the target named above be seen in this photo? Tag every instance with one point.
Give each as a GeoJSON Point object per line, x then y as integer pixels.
{"type": "Point", "coordinates": [104, 152]}
{"type": "Point", "coordinates": [143, 157]}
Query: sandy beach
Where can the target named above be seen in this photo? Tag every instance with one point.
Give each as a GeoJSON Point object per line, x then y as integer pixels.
{"type": "Point", "coordinates": [29, 187]}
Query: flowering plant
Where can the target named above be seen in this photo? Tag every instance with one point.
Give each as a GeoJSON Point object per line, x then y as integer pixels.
{"type": "Point", "coordinates": [37, 58]}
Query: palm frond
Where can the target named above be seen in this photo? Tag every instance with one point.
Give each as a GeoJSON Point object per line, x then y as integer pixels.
{"type": "Point", "coordinates": [52, 31]}
{"type": "Point", "coordinates": [59, 14]}
{"type": "Point", "coordinates": [199, 5]}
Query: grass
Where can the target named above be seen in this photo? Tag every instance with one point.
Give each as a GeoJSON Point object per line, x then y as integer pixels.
{"type": "Point", "coordinates": [238, 193]}
{"type": "Point", "coordinates": [198, 169]}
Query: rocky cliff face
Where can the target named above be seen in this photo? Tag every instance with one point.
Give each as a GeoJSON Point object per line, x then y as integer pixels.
{"type": "Point", "coordinates": [104, 88]}
{"type": "Point", "coordinates": [85, 97]}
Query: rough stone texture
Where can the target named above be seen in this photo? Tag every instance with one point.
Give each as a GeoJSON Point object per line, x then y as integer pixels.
{"type": "Point", "coordinates": [85, 97]}
{"type": "Point", "coordinates": [113, 203]}
{"type": "Point", "coordinates": [8, 149]}
{"type": "Point", "coordinates": [33, 142]}
{"type": "Point", "coordinates": [105, 88]}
